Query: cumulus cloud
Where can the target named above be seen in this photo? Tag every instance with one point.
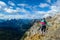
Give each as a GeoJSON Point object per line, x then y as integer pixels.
{"type": "Point", "coordinates": [57, 4]}
{"type": "Point", "coordinates": [45, 14]}
{"type": "Point", "coordinates": [10, 10]}
{"type": "Point", "coordinates": [55, 9]}
{"type": "Point", "coordinates": [16, 11]}
{"type": "Point", "coordinates": [49, 1]}
{"type": "Point", "coordinates": [11, 3]}
{"type": "Point", "coordinates": [40, 14]}
{"type": "Point", "coordinates": [23, 5]}
{"type": "Point", "coordinates": [2, 3]}
{"type": "Point", "coordinates": [42, 5]}
{"type": "Point", "coordinates": [27, 15]}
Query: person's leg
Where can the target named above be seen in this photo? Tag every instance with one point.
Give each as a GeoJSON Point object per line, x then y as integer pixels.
{"type": "Point", "coordinates": [44, 30]}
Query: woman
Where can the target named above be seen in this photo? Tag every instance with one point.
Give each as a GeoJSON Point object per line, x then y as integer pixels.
{"type": "Point", "coordinates": [43, 26]}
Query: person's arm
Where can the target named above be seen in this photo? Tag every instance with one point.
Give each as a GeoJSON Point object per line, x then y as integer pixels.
{"type": "Point", "coordinates": [49, 24]}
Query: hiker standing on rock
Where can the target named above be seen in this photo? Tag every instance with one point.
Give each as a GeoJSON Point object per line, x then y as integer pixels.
{"type": "Point", "coordinates": [43, 26]}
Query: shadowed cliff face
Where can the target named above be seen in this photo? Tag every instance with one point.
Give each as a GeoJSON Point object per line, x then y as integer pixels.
{"type": "Point", "coordinates": [14, 29]}
{"type": "Point", "coordinates": [51, 34]}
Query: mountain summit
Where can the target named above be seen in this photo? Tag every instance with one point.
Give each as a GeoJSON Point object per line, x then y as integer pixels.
{"type": "Point", "coordinates": [53, 32]}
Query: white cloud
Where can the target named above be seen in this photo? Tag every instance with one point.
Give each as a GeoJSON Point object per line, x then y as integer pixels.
{"type": "Point", "coordinates": [57, 4]}
{"type": "Point", "coordinates": [0, 7]}
{"type": "Point", "coordinates": [40, 12]}
{"type": "Point", "coordinates": [10, 10]}
{"type": "Point", "coordinates": [23, 5]}
{"type": "Point", "coordinates": [49, 1]}
{"type": "Point", "coordinates": [9, 17]}
{"type": "Point", "coordinates": [11, 3]}
{"type": "Point", "coordinates": [2, 16]}
{"type": "Point", "coordinates": [42, 5]}
{"type": "Point", "coordinates": [46, 15]}
{"type": "Point", "coordinates": [11, 7]}
{"type": "Point", "coordinates": [36, 15]}
{"type": "Point", "coordinates": [55, 8]}
{"type": "Point", "coordinates": [22, 10]}
{"type": "Point", "coordinates": [51, 12]}
{"type": "Point", "coordinates": [2, 3]}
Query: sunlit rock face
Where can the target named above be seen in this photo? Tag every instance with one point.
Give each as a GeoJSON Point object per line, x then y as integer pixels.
{"type": "Point", "coordinates": [53, 32]}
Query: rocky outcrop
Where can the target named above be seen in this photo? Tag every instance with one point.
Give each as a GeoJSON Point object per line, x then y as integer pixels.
{"type": "Point", "coordinates": [52, 33]}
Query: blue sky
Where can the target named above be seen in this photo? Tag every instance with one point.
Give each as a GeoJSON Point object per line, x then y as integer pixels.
{"type": "Point", "coordinates": [28, 9]}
